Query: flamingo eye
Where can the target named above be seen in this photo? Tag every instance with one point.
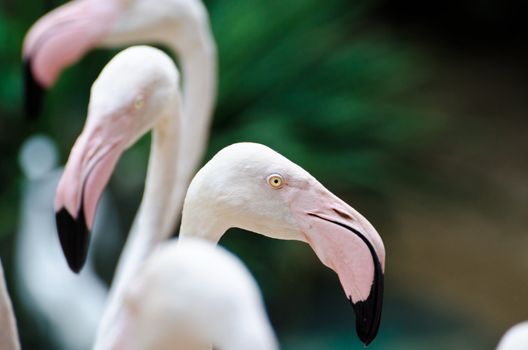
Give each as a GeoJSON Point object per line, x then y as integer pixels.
{"type": "Point", "coordinates": [139, 102]}
{"type": "Point", "coordinates": [275, 181]}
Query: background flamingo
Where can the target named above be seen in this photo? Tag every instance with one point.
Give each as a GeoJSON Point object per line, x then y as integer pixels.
{"type": "Point", "coordinates": [65, 34]}
{"type": "Point", "coordinates": [190, 295]}
{"type": "Point", "coordinates": [66, 305]}
{"type": "Point", "coordinates": [137, 91]}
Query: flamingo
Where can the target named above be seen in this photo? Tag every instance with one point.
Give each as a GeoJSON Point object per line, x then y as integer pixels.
{"type": "Point", "coordinates": [192, 294]}
{"type": "Point", "coordinates": [246, 185]}
{"type": "Point", "coordinates": [69, 305]}
{"type": "Point", "coordinates": [66, 34]}
{"type": "Point", "coordinates": [516, 338]}
{"type": "Point", "coordinates": [138, 90]}
{"type": "Point", "coordinates": [8, 329]}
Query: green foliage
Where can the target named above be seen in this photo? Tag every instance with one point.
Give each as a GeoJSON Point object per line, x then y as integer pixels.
{"type": "Point", "coordinates": [308, 80]}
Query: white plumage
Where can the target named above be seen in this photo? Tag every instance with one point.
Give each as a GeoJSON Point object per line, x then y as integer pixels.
{"type": "Point", "coordinates": [68, 306]}
{"type": "Point", "coordinates": [191, 294]}
{"type": "Point", "coordinates": [516, 338]}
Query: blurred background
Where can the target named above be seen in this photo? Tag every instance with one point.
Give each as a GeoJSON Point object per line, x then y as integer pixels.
{"type": "Point", "coordinates": [414, 112]}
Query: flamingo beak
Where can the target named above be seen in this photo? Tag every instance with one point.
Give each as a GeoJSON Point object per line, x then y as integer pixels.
{"type": "Point", "coordinates": [368, 311]}
{"type": "Point", "coordinates": [59, 39]}
{"type": "Point", "coordinates": [33, 93]}
{"type": "Point", "coordinates": [85, 176]}
{"type": "Point", "coordinates": [348, 244]}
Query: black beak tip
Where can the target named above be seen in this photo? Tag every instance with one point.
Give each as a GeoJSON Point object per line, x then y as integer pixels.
{"type": "Point", "coordinates": [368, 312]}
{"type": "Point", "coordinates": [367, 321]}
{"type": "Point", "coordinates": [33, 93]}
{"type": "Point", "coordinates": [74, 237]}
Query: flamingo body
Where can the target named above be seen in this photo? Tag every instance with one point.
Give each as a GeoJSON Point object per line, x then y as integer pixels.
{"type": "Point", "coordinates": [196, 294]}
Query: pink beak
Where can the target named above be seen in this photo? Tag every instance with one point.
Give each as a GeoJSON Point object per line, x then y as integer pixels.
{"type": "Point", "coordinates": [85, 176]}
{"type": "Point", "coordinates": [59, 39]}
{"type": "Point", "coordinates": [348, 244]}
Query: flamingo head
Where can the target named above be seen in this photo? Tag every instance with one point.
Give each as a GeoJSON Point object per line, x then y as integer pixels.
{"type": "Point", "coordinates": [59, 39]}
{"type": "Point", "coordinates": [250, 186]}
{"type": "Point", "coordinates": [132, 93]}
{"type": "Point", "coordinates": [64, 35]}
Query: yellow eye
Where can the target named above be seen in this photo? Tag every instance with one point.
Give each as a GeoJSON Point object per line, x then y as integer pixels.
{"type": "Point", "coordinates": [275, 180]}
{"type": "Point", "coordinates": [139, 102]}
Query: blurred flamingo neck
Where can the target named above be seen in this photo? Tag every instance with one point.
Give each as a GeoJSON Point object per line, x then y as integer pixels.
{"type": "Point", "coordinates": [156, 216]}
{"type": "Point", "coordinates": [198, 60]}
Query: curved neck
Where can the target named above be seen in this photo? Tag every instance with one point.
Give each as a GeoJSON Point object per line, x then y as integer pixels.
{"type": "Point", "coordinates": [161, 206]}
{"type": "Point", "coordinates": [173, 160]}
{"type": "Point", "coordinates": [8, 328]}
{"type": "Point", "coordinates": [156, 216]}
{"type": "Point", "coordinates": [198, 61]}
